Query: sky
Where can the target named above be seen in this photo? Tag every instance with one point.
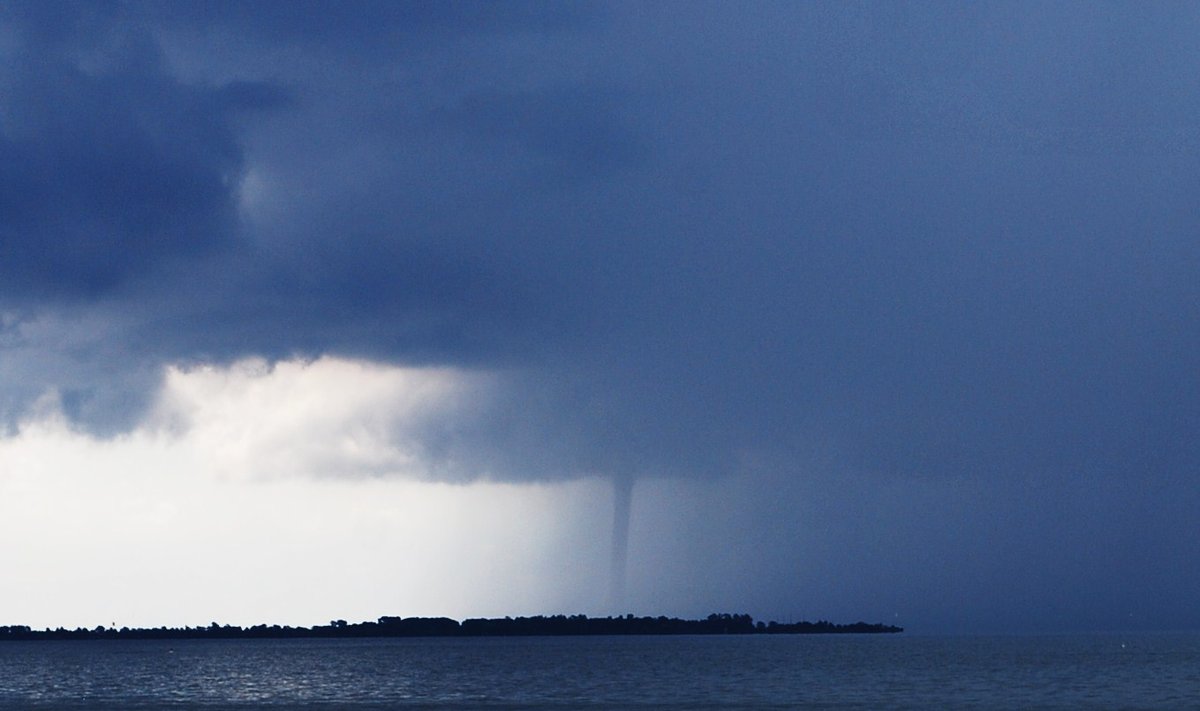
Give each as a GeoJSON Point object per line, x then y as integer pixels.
{"type": "Point", "coordinates": [884, 311]}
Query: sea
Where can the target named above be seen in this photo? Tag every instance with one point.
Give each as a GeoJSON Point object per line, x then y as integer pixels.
{"type": "Point", "coordinates": [898, 671]}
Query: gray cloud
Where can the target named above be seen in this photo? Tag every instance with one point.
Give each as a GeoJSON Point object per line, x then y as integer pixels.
{"type": "Point", "coordinates": [110, 165]}
{"type": "Point", "coordinates": [310, 22]}
{"type": "Point", "coordinates": [576, 132]}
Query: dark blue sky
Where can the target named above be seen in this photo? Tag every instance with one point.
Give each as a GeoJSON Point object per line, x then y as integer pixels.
{"type": "Point", "coordinates": [928, 270]}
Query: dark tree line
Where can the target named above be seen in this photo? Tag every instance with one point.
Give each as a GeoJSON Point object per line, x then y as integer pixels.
{"type": "Point", "coordinates": [555, 625]}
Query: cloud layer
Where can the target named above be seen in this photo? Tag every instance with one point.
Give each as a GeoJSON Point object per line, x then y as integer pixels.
{"type": "Point", "coordinates": [913, 243]}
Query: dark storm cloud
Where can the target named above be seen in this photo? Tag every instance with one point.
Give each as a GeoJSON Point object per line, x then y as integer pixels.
{"type": "Point", "coordinates": [577, 132]}
{"type": "Point", "coordinates": [949, 239]}
{"type": "Point", "coordinates": [108, 165]}
{"type": "Point", "coordinates": [933, 241]}
{"type": "Point", "coordinates": [315, 22]}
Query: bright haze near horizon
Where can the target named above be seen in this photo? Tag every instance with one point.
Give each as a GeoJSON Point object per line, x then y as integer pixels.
{"type": "Point", "coordinates": [888, 311]}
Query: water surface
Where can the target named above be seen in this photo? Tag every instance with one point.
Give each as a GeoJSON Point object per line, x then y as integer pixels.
{"type": "Point", "coordinates": [1159, 671]}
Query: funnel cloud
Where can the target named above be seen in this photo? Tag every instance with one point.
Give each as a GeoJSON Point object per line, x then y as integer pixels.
{"type": "Point", "coordinates": [622, 503]}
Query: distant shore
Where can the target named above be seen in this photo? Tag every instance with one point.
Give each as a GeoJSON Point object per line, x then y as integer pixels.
{"type": "Point", "coordinates": [555, 625]}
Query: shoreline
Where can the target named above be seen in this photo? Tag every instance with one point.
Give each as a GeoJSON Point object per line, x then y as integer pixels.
{"type": "Point", "coordinates": [541, 626]}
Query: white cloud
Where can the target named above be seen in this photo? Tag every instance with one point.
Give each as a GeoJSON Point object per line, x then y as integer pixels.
{"type": "Point", "coordinates": [211, 509]}
{"type": "Point", "coordinates": [328, 417]}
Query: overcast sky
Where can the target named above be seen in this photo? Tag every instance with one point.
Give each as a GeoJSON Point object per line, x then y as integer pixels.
{"type": "Point", "coordinates": [319, 310]}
